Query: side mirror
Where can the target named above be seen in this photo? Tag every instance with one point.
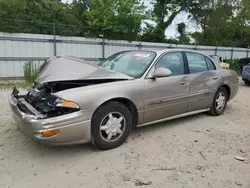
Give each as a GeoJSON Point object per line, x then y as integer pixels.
{"type": "Point", "coordinates": [161, 72]}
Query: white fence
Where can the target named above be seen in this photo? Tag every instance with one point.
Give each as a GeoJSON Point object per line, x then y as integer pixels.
{"type": "Point", "coordinates": [18, 48]}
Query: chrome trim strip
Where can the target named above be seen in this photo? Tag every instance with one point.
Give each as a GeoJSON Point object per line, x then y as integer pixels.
{"type": "Point", "coordinates": [174, 117]}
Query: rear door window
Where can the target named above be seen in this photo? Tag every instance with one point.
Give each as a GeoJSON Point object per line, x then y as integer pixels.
{"type": "Point", "coordinates": [196, 63]}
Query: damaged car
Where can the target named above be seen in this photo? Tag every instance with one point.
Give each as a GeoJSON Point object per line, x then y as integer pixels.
{"type": "Point", "coordinates": [73, 101]}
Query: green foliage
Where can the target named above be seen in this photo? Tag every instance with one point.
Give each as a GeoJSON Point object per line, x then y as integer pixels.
{"type": "Point", "coordinates": [183, 38]}
{"type": "Point", "coordinates": [153, 34]}
{"type": "Point", "coordinates": [39, 16]}
{"type": "Point", "coordinates": [222, 22]}
{"type": "Point", "coordinates": [31, 71]}
{"type": "Point", "coordinates": [170, 9]}
{"type": "Point", "coordinates": [164, 12]}
{"type": "Point", "coordinates": [117, 19]}
{"type": "Point", "coordinates": [234, 65]}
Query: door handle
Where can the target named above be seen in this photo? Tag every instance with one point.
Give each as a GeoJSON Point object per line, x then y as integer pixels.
{"type": "Point", "coordinates": [185, 80]}
{"type": "Point", "coordinates": [183, 83]}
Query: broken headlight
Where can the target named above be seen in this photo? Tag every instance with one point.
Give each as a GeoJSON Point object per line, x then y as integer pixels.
{"type": "Point", "coordinates": [66, 104]}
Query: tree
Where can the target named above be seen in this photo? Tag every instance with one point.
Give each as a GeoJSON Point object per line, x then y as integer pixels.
{"type": "Point", "coordinates": [183, 38]}
{"type": "Point", "coordinates": [222, 22]}
{"type": "Point", "coordinates": [38, 17]}
{"type": "Point", "coordinates": [153, 34]}
{"type": "Point", "coordinates": [242, 20]}
{"type": "Point", "coordinates": [11, 10]}
{"type": "Point", "coordinates": [165, 11]}
{"type": "Point", "coordinates": [53, 12]}
{"type": "Point", "coordinates": [117, 19]}
{"type": "Point", "coordinates": [79, 9]}
{"type": "Point", "coordinates": [216, 20]}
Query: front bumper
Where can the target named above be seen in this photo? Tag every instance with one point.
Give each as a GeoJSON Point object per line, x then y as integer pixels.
{"type": "Point", "coordinates": [74, 128]}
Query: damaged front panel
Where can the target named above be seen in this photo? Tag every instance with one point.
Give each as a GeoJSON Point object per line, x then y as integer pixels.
{"type": "Point", "coordinates": [41, 103]}
{"type": "Point", "coordinates": [58, 74]}
{"type": "Point", "coordinates": [40, 98]}
{"type": "Point", "coordinates": [57, 86]}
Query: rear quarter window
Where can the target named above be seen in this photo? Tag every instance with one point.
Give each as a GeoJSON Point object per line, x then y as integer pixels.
{"type": "Point", "coordinates": [210, 64]}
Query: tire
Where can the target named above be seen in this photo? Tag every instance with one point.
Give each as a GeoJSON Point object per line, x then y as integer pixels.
{"type": "Point", "coordinates": [247, 82]}
{"type": "Point", "coordinates": [215, 110]}
{"type": "Point", "coordinates": [102, 125]}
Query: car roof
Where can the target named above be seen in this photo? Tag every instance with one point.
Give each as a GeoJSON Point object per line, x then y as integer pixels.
{"type": "Point", "coordinates": [245, 59]}
{"type": "Point", "coordinates": [174, 49]}
{"type": "Point", "coordinates": [161, 51]}
{"type": "Point", "coordinates": [165, 50]}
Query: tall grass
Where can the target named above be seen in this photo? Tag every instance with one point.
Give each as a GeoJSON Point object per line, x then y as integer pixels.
{"type": "Point", "coordinates": [31, 71]}
{"type": "Point", "coordinates": [234, 65]}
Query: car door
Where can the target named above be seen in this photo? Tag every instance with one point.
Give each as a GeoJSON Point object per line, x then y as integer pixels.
{"type": "Point", "coordinates": [202, 81]}
{"type": "Point", "coordinates": [168, 96]}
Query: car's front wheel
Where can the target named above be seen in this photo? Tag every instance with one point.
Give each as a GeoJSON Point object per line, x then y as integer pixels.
{"type": "Point", "coordinates": [219, 102]}
{"type": "Point", "coordinates": [110, 126]}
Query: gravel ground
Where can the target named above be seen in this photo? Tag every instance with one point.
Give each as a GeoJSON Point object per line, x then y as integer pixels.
{"type": "Point", "coordinates": [197, 151]}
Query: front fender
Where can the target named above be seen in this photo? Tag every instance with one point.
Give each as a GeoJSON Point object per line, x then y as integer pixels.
{"type": "Point", "coordinates": [91, 97]}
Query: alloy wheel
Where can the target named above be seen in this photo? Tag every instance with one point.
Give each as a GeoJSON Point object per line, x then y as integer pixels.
{"type": "Point", "coordinates": [112, 126]}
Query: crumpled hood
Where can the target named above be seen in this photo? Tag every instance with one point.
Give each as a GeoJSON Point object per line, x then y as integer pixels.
{"type": "Point", "coordinates": [69, 68]}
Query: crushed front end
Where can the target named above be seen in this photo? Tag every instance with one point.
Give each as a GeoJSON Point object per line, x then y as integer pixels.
{"type": "Point", "coordinates": [43, 115]}
{"type": "Point", "coordinates": [49, 119]}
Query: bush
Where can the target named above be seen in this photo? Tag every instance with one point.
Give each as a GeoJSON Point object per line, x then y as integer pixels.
{"type": "Point", "coordinates": [31, 71]}
{"type": "Point", "coordinates": [234, 65]}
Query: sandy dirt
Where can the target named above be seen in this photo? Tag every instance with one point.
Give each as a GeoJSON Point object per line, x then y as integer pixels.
{"type": "Point", "coordinates": [197, 151]}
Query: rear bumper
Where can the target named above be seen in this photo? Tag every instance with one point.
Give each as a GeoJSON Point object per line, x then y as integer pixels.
{"type": "Point", "coordinates": [73, 128]}
{"type": "Point", "coordinates": [234, 90]}
{"type": "Point", "coordinates": [246, 75]}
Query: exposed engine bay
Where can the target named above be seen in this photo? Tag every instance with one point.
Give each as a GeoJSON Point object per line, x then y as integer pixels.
{"type": "Point", "coordinates": [41, 98]}
{"type": "Point", "coordinates": [57, 74]}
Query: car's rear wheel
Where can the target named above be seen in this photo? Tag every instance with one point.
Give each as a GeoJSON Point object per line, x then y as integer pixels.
{"type": "Point", "coordinates": [110, 126]}
{"type": "Point", "coordinates": [219, 102]}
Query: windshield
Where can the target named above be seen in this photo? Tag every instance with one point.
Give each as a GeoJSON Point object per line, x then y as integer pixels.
{"type": "Point", "coordinates": [131, 63]}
